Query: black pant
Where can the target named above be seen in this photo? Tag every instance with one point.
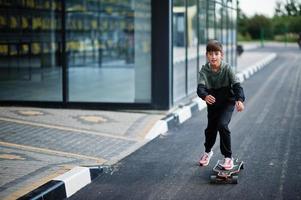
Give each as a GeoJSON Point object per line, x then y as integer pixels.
{"type": "Point", "coordinates": [218, 120]}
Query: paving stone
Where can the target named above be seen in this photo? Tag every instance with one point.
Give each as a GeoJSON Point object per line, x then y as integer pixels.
{"type": "Point", "coordinates": [78, 143]}
{"type": "Point", "coordinates": [19, 173]}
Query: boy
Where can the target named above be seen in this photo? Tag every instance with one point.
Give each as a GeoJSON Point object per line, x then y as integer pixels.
{"type": "Point", "coordinates": [220, 89]}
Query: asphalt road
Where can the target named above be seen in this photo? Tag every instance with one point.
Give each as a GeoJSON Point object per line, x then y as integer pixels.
{"type": "Point", "coordinates": [267, 136]}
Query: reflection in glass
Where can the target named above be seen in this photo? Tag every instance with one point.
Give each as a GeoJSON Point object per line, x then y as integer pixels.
{"type": "Point", "coordinates": [179, 50]}
{"type": "Point", "coordinates": [225, 33]}
{"type": "Point", "coordinates": [30, 55]}
{"type": "Point", "coordinates": [219, 21]}
{"type": "Point", "coordinates": [202, 32]}
{"type": "Point", "coordinates": [192, 42]}
{"type": "Point", "coordinates": [211, 26]}
{"type": "Point", "coordinates": [109, 47]}
{"type": "Point", "coordinates": [233, 36]}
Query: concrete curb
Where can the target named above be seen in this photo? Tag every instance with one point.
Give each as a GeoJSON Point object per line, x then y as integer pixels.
{"type": "Point", "coordinates": [64, 185]}
{"type": "Point", "coordinates": [247, 73]}
{"type": "Point", "coordinates": [69, 183]}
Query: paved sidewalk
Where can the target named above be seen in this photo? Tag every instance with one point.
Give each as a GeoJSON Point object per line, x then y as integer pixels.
{"type": "Point", "coordinates": [38, 144]}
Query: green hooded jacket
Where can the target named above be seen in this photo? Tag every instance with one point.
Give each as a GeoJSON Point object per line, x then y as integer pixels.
{"type": "Point", "coordinates": [225, 77]}
{"type": "Point", "coordinates": [224, 85]}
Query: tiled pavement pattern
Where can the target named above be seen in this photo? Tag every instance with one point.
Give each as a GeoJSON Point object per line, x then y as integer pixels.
{"type": "Point", "coordinates": [21, 169]}
{"type": "Point", "coordinates": [60, 140]}
{"type": "Point", "coordinates": [38, 144]}
{"type": "Point", "coordinates": [107, 122]}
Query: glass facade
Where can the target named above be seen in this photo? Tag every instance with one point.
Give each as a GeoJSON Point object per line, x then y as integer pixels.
{"type": "Point", "coordinates": [203, 31]}
{"type": "Point", "coordinates": [106, 51]}
{"type": "Point", "coordinates": [192, 45]}
{"type": "Point", "coordinates": [202, 20]}
{"type": "Point", "coordinates": [179, 49]}
{"type": "Point", "coordinates": [30, 50]}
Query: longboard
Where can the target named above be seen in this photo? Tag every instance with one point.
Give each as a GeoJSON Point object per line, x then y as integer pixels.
{"type": "Point", "coordinates": [221, 175]}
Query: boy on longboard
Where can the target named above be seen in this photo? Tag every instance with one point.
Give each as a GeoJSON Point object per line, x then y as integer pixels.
{"type": "Point", "coordinates": [219, 87]}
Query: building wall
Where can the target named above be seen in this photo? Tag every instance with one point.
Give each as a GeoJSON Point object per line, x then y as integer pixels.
{"type": "Point", "coordinates": [107, 50]}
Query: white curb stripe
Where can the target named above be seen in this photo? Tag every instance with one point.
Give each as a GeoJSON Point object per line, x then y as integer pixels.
{"type": "Point", "coordinates": [183, 114]}
{"type": "Point", "coordinates": [200, 102]}
{"type": "Point", "coordinates": [75, 179]}
{"type": "Point", "coordinates": [245, 74]}
{"type": "Point", "coordinates": [159, 128]}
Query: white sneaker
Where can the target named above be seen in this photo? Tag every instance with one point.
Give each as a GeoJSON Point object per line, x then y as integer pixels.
{"type": "Point", "coordinates": [228, 164]}
{"type": "Point", "coordinates": [205, 159]}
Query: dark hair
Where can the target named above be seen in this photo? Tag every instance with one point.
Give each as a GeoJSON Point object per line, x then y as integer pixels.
{"type": "Point", "coordinates": [214, 45]}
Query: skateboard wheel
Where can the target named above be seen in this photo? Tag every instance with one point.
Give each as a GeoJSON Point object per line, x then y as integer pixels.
{"type": "Point", "coordinates": [234, 179]}
{"type": "Point", "coordinates": [213, 178]}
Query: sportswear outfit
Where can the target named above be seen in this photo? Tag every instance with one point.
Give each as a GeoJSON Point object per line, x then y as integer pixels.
{"type": "Point", "coordinates": [225, 87]}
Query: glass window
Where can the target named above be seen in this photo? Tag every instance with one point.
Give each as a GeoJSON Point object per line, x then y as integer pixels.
{"type": "Point", "coordinates": [211, 26]}
{"type": "Point", "coordinates": [109, 50]}
{"type": "Point", "coordinates": [233, 36]}
{"type": "Point", "coordinates": [230, 36]}
{"type": "Point", "coordinates": [192, 42]}
{"type": "Point", "coordinates": [30, 53]}
{"type": "Point", "coordinates": [219, 20]}
{"type": "Point", "coordinates": [202, 22]}
{"type": "Point", "coordinates": [179, 50]}
{"type": "Point", "coordinates": [202, 32]}
{"type": "Point", "coordinates": [226, 34]}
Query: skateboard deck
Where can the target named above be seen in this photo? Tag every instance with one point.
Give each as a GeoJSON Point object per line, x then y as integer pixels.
{"type": "Point", "coordinates": [221, 175]}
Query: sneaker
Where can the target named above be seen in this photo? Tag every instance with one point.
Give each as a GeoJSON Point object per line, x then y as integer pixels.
{"type": "Point", "coordinates": [205, 159]}
{"type": "Point", "coordinates": [228, 164]}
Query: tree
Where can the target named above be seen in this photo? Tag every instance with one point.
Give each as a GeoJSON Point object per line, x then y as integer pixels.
{"type": "Point", "coordinates": [285, 23]}
{"type": "Point", "coordinates": [242, 22]}
{"type": "Point", "coordinates": [259, 23]}
{"type": "Point", "coordinates": [288, 16]}
{"type": "Point", "coordinates": [288, 8]}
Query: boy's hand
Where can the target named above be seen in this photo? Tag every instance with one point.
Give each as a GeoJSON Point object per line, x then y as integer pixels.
{"type": "Point", "coordinates": [210, 99]}
{"type": "Point", "coordinates": [239, 106]}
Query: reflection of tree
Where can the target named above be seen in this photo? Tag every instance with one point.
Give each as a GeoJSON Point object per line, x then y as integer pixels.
{"type": "Point", "coordinates": [182, 2]}
{"type": "Point", "coordinates": [192, 23]}
{"type": "Point", "coordinates": [178, 2]}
